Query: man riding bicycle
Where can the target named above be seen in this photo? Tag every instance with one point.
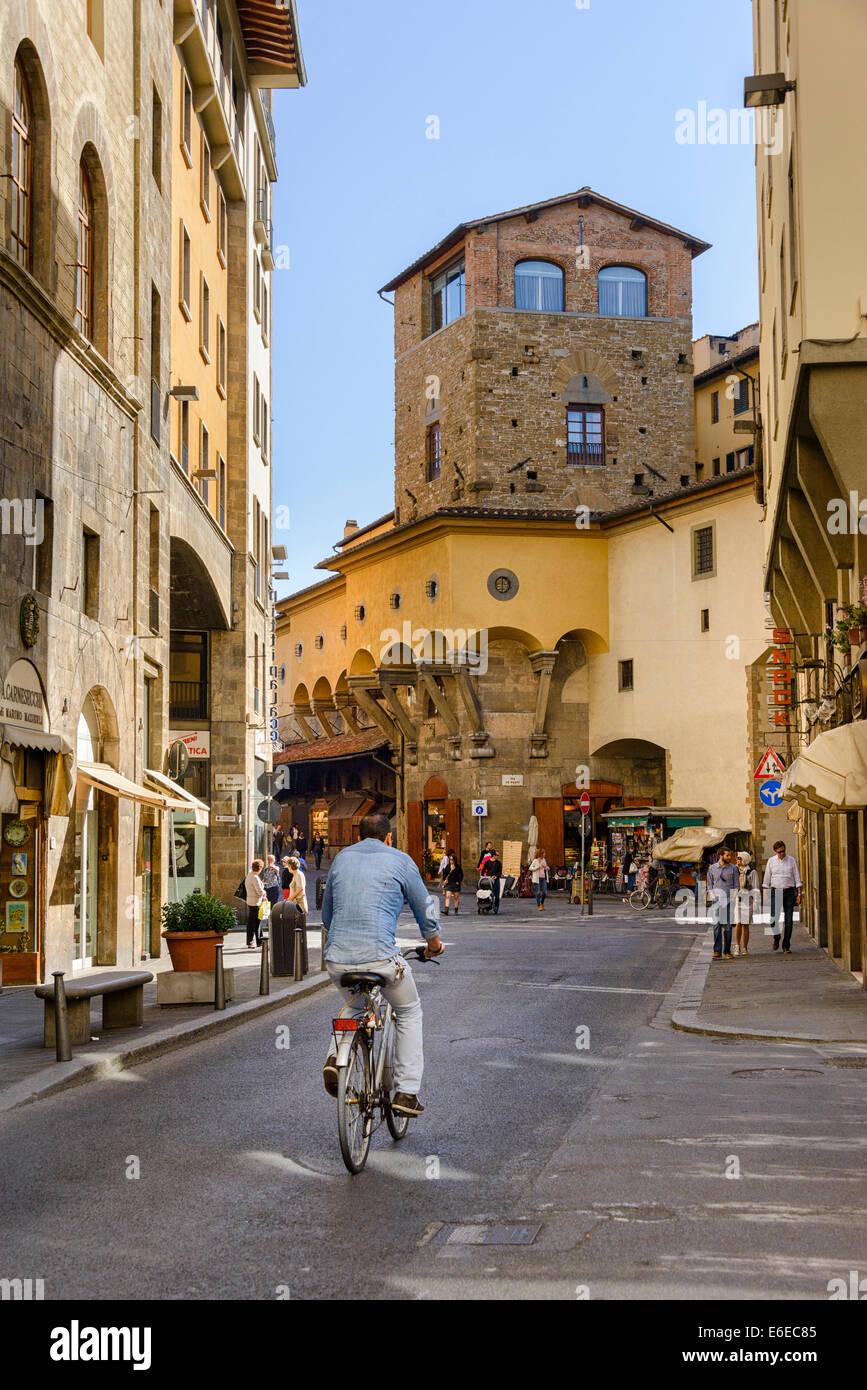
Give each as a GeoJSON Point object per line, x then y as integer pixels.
{"type": "Point", "coordinates": [368, 885]}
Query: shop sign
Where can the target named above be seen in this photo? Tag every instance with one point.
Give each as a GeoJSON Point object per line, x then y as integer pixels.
{"type": "Point", "coordinates": [778, 670]}
{"type": "Point", "coordinates": [196, 741]}
{"type": "Point", "coordinates": [23, 702]}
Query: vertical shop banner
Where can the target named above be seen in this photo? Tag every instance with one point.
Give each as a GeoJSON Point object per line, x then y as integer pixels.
{"type": "Point", "coordinates": [779, 671]}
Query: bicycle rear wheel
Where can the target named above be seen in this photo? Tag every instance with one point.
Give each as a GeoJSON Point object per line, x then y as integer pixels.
{"type": "Point", "coordinates": [354, 1105]}
{"type": "Point", "coordinates": [397, 1124]}
{"type": "Point", "coordinates": [639, 898]}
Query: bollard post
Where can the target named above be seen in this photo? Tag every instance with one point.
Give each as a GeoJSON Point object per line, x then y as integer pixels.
{"type": "Point", "coordinates": [590, 896]}
{"type": "Point", "coordinates": [62, 1045]}
{"type": "Point", "coordinates": [264, 974]}
{"type": "Point", "coordinates": [299, 947]}
{"type": "Point", "coordinates": [219, 978]}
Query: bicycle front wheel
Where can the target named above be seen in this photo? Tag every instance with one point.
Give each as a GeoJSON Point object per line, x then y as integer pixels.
{"type": "Point", "coordinates": [639, 898]}
{"type": "Point", "coordinates": [355, 1105]}
{"type": "Point", "coordinates": [397, 1124]}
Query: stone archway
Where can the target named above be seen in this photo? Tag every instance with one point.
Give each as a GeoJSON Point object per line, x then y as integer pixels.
{"type": "Point", "coordinates": [585, 362]}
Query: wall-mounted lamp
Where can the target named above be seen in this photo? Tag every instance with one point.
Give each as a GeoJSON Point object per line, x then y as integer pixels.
{"type": "Point", "coordinates": [768, 89]}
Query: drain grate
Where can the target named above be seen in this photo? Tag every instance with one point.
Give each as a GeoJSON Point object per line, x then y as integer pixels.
{"type": "Point", "coordinates": [485, 1234]}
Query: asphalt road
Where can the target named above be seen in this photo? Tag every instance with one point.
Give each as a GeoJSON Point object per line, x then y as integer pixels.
{"type": "Point", "coordinates": [618, 1151]}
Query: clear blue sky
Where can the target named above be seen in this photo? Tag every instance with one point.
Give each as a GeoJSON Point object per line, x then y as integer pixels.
{"type": "Point", "coordinates": [533, 101]}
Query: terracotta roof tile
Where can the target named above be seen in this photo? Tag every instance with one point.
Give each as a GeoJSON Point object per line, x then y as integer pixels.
{"type": "Point", "coordinates": [343, 746]}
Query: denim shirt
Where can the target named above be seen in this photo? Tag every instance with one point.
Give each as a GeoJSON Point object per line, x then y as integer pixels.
{"type": "Point", "coordinates": [368, 885]}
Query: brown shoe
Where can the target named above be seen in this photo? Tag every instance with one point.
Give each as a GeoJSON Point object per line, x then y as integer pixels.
{"type": "Point", "coordinates": [776, 943]}
{"type": "Point", "coordinates": [717, 955]}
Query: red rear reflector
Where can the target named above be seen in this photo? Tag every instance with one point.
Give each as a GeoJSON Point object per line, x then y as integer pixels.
{"type": "Point", "coordinates": [346, 1025]}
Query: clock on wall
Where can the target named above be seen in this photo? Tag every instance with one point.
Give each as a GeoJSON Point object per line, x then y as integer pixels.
{"type": "Point", "coordinates": [16, 833]}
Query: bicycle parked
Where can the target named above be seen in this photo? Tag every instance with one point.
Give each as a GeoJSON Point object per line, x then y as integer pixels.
{"type": "Point", "coordinates": [365, 1067]}
{"type": "Point", "coordinates": [661, 894]}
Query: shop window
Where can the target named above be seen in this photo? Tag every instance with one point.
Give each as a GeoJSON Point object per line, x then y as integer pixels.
{"type": "Point", "coordinates": [703, 552]}
{"type": "Point", "coordinates": [447, 296]}
{"type": "Point", "coordinates": [625, 675]}
{"type": "Point", "coordinates": [434, 452]}
{"type": "Point", "coordinates": [585, 435]}
{"type": "Point", "coordinates": [622, 292]}
{"type": "Point", "coordinates": [539, 286]}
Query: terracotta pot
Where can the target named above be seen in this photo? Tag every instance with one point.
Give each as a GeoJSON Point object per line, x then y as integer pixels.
{"type": "Point", "coordinates": [20, 968]}
{"type": "Point", "coordinates": [847, 658]}
{"type": "Point", "coordinates": [854, 636]}
{"type": "Point", "coordinates": [193, 950]}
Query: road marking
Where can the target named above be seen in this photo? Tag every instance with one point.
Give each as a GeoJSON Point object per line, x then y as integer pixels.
{"type": "Point", "coordinates": [592, 989]}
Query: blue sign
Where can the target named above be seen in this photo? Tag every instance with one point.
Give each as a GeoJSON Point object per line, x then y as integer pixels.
{"type": "Point", "coordinates": [771, 792]}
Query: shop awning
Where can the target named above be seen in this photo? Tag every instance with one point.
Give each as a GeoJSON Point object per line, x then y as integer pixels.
{"type": "Point", "coordinates": [105, 778]}
{"type": "Point", "coordinates": [345, 807]}
{"type": "Point", "coordinates": [182, 799]}
{"type": "Point", "coordinates": [831, 773]}
{"type": "Point", "coordinates": [687, 845]}
{"type": "Point", "coordinates": [35, 739]}
{"type": "Point", "coordinates": [619, 820]}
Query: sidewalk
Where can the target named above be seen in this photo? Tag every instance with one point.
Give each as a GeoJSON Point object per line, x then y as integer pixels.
{"type": "Point", "coordinates": [800, 997]}
{"type": "Point", "coordinates": [29, 1071]}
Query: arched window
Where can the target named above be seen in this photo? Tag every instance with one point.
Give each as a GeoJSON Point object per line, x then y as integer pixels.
{"type": "Point", "coordinates": [623, 292]}
{"type": "Point", "coordinates": [539, 285]}
{"type": "Point", "coordinates": [22, 169]}
{"type": "Point", "coordinates": [84, 257]}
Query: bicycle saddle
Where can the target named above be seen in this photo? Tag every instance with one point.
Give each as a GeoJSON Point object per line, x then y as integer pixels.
{"type": "Point", "coordinates": [356, 977]}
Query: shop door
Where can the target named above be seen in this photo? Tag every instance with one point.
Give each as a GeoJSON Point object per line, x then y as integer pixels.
{"type": "Point", "coordinates": [86, 891]}
{"type": "Point", "coordinates": [453, 827]}
{"type": "Point", "coordinates": [548, 811]}
{"type": "Point", "coordinates": [146, 889]}
{"type": "Point", "coordinates": [415, 832]}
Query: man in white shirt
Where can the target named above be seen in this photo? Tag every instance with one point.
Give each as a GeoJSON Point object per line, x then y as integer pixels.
{"type": "Point", "coordinates": [784, 880]}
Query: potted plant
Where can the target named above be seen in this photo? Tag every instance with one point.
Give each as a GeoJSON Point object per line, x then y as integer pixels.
{"type": "Point", "coordinates": [852, 620]}
{"type": "Point", "coordinates": [192, 928]}
{"type": "Point", "coordinates": [429, 865]}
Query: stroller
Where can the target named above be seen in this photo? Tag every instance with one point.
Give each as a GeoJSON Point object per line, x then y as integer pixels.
{"type": "Point", "coordinates": [485, 894]}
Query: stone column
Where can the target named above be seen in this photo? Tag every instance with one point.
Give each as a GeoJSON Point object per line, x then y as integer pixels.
{"type": "Point", "coordinates": [543, 666]}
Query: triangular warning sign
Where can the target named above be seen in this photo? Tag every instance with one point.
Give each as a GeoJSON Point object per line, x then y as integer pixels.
{"type": "Point", "coordinates": [770, 766]}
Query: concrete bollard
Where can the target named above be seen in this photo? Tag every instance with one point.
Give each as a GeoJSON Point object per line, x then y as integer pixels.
{"type": "Point", "coordinates": [219, 978]}
{"type": "Point", "coordinates": [62, 1044]}
{"type": "Point", "coordinates": [264, 973]}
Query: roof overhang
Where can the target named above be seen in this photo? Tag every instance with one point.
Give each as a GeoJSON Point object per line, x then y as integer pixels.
{"type": "Point", "coordinates": [272, 42]}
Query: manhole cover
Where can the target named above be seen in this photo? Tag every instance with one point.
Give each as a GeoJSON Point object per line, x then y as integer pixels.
{"type": "Point", "coordinates": [486, 1234]}
{"type": "Point", "coordinates": [770, 1071]}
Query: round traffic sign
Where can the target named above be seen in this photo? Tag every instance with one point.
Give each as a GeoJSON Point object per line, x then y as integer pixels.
{"type": "Point", "coordinates": [771, 792]}
{"type": "Point", "coordinates": [584, 803]}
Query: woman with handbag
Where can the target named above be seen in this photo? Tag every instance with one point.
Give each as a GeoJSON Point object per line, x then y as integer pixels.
{"type": "Point", "coordinates": [256, 895]}
{"type": "Point", "coordinates": [298, 886]}
{"type": "Point", "coordinates": [746, 897]}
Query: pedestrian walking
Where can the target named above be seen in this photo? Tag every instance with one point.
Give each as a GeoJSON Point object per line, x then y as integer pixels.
{"type": "Point", "coordinates": [494, 870]}
{"type": "Point", "coordinates": [271, 880]}
{"type": "Point", "coordinates": [277, 839]}
{"type": "Point", "coordinates": [747, 896]}
{"type": "Point", "coordinates": [783, 878]}
{"type": "Point", "coordinates": [485, 854]}
{"type": "Point", "coordinates": [255, 891]}
{"type": "Point", "coordinates": [298, 886]}
{"type": "Point", "coordinates": [317, 845]}
{"type": "Point", "coordinates": [286, 877]}
{"type": "Point", "coordinates": [723, 882]}
{"type": "Point", "coordinates": [454, 879]}
{"type": "Point", "coordinates": [539, 877]}
{"type": "Point", "coordinates": [300, 844]}
{"type": "Point", "coordinates": [631, 871]}
{"type": "Point", "coordinates": [444, 865]}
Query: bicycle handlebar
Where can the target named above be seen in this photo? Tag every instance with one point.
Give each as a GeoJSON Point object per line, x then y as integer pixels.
{"type": "Point", "coordinates": [419, 953]}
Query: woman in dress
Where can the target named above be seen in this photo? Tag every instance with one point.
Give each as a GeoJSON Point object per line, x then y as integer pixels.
{"type": "Point", "coordinates": [452, 884]}
{"type": "Point", "coordinates": [745, 903]}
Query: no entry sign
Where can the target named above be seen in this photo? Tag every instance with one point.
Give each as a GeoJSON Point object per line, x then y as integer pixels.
{"type": "Point", "coordinates": [584, 803]}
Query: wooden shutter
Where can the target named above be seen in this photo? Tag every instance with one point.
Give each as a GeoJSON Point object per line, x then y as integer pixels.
{"type": "Point", "coordinates": [453, 827]}
{"type": "Point", "coordinates": [414, 832]}
{"type": "Point", "coordinates": [548, 811]}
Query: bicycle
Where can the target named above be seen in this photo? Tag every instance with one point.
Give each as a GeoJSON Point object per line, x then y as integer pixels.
{"type": "Point", "coordinates": [662, 896]}
{"type": "Point", "coordinates": [365, 1068]}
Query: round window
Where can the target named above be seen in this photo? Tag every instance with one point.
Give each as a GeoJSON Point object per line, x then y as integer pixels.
{"type": "Point", "coordinates": [503, 584]}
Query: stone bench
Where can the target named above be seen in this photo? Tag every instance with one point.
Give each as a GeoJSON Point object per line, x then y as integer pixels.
{"type": "Point", "coordinates": [122, 1003]}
